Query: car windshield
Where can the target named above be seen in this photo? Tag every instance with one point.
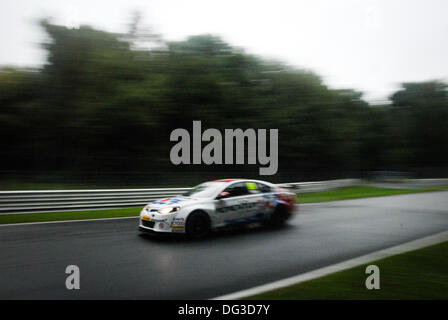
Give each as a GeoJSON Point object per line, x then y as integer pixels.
{"type": "Point", "coordinates": [204, 190]}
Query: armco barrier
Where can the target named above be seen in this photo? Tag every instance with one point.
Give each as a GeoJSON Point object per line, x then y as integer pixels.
{"type": "Point", "coordinates": [70, 200]}
{"type": "Point", "coordinates": [16, 202]}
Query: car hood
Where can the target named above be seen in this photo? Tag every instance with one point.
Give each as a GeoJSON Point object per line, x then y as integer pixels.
{"type": "Point", "coordinates": [180, 201]}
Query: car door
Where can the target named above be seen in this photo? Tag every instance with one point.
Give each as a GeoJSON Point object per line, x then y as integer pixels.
{"type": "Point", "coordinates": [257, 209]}
{"type": "Point", "coordinates": [238, 204]}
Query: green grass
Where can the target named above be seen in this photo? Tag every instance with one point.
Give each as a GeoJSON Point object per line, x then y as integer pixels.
{"type": "Point", "coordinates": [339, 194]}
{"type": "Point", "coordinates": [75, 215]}
{"type": "Point", "coordinates": [420, 274]}
{"type": "Point", "coordinates": [358, 192]}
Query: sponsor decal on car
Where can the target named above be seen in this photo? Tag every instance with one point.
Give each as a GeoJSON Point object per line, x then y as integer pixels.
{"type": "Point", "coordinates": [178, 222]}
{"type": "Point", "coordinates": [167, 201]}
{"type": "Point", "coordinates": [240, 206]}
{"type": "Point", "coordinates": [269, 200]}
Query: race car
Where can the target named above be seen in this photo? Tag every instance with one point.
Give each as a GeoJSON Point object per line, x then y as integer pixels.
{"type": "Point", "coordinates": [216, 204]}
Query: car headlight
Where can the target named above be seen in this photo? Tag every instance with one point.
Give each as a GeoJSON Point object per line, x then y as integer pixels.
{"type": "Point", "coordinates": [168, 210]}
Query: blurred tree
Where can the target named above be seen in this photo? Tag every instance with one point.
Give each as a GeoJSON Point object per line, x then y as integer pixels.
{"type": "Point", "coordinates": [107, 102]}
{"type": "Point", "coordinates": [420, 115]}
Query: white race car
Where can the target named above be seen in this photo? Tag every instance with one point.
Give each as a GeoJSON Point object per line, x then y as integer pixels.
{"type": "Point", "coordinates": [217, 204]}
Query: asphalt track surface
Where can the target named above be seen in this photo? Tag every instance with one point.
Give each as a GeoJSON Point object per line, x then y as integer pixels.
{"type": "Point", "coordinates": [117, 263]}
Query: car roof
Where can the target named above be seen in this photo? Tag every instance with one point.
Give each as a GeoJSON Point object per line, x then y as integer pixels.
{"type": "Point", "coordinates": [229, 181]}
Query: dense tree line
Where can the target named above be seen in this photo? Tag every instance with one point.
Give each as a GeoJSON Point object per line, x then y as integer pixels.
{"type": "Point", "coordinates": [100, 105]}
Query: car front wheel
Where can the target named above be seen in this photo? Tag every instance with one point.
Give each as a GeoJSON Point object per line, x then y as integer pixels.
{"type": "Point", "coordinates": [198, 225]}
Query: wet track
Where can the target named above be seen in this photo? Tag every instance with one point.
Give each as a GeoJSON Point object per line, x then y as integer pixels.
{"type": "Point", "coordinates": [116, 263]}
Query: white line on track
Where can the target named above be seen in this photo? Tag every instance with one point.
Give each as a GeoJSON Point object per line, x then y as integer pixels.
{"type": "Point", "coordinates": [377, 255]}
{"type": "Point", "coordinates": [93, 219]}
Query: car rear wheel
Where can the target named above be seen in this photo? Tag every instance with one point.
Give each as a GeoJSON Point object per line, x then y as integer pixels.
{"type": "Point", "coordinates": [198, 225]}
{"type": "Point", "coordinates": [278, 217]}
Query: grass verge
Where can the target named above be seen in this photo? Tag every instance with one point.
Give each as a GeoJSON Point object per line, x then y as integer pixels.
{"type": "Point", "coordinates": [339, 194]}
{"type": "Point", "coordinates": [421, 274]}
{"type": "Point", "coordinates": [68, 215]}
{"type": "Point", "coordinates": [358, 192]}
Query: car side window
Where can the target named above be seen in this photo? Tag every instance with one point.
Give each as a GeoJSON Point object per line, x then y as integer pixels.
{"type": "Point", "coordinates": [263, 188]}
{"type": "Point", "coordinates": [237, 189]}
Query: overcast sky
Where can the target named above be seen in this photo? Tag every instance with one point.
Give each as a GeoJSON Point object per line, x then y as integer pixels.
{"type": "Point", "coordinates": [368, 45]}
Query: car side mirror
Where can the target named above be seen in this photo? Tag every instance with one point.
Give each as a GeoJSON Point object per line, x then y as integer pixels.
{"type": "Point", "coordinates": [223, 195]}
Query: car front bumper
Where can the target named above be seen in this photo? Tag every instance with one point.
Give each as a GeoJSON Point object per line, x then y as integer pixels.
{"type": "Point", "coordinates": [159, 225]}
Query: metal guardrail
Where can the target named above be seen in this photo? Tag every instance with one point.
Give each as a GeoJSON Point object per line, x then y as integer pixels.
{"type": "Point", "coordinates": [70, 200]}
{"type": "Point", "coordinates": [428, 182]}
{"type": "Point", "coordinates": [17, 202]}
{"type": "Point", "coordinates": [315, 186]}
